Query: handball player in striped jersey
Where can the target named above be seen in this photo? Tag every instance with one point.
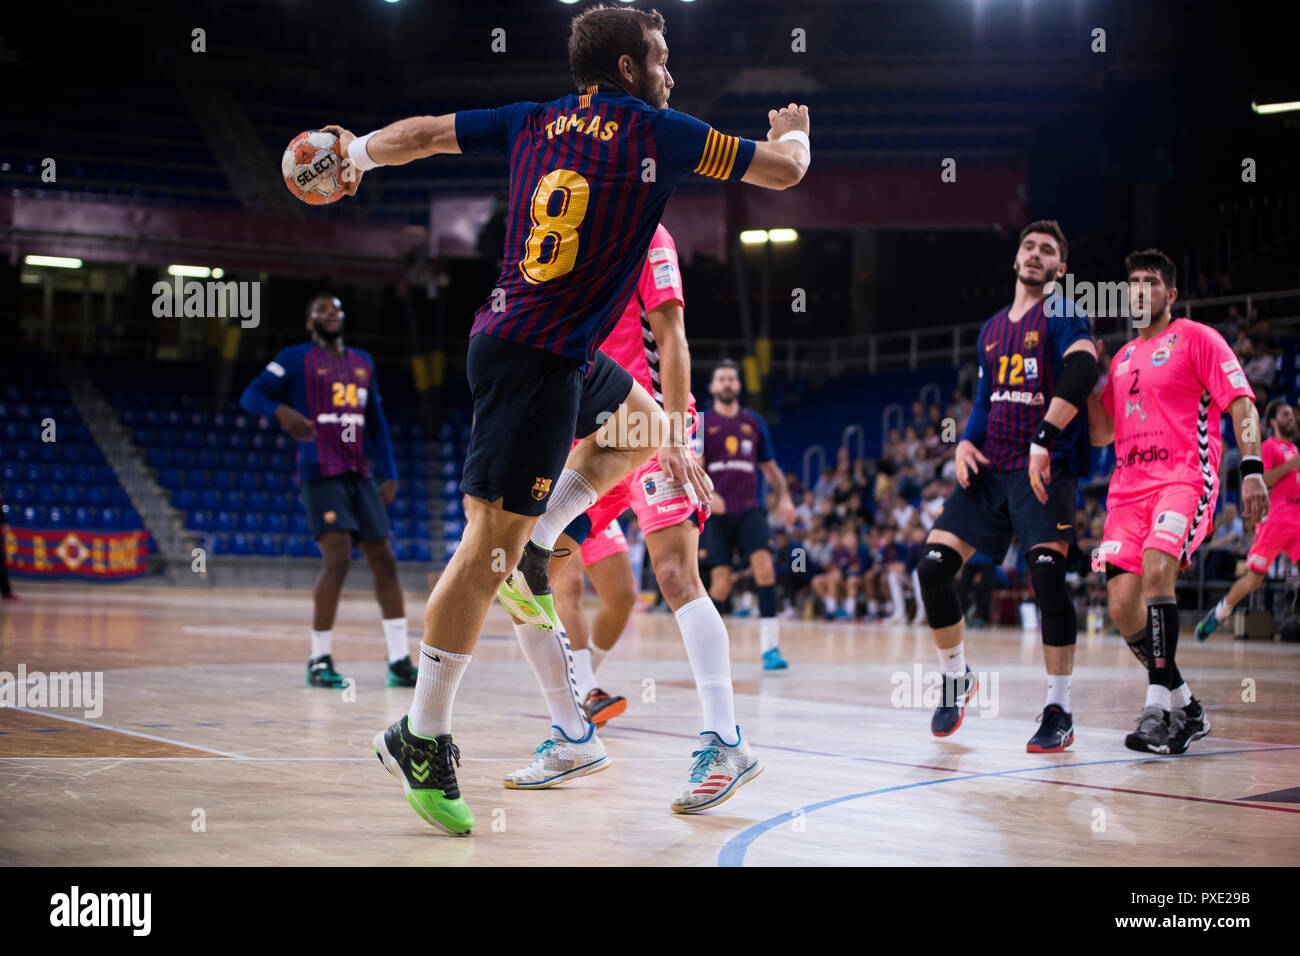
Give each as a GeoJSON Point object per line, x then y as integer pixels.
{"type": "Point", "coordinates": [590, 174]}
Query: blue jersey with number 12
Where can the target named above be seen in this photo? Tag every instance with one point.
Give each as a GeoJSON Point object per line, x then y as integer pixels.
{"type": "Point", "coordinates": [590, 175]}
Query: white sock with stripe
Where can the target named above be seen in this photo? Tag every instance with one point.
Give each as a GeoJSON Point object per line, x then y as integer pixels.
{"type": "Point", "coordinates": [583, 672]}
{"type": "Point", "coordinates": [550, 655]}
{"type": "Point", "coordinates": [320, 643]}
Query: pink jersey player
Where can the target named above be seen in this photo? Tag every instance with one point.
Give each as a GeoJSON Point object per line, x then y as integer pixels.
{"type": "Point", "coordinates": [1166, 396]}
{"type": "Point", "coordinates": [631, 343]}
{"type": "Point", "coordinates": [1280, 531]}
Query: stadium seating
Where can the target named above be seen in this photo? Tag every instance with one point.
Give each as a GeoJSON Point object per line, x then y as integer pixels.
{"type": "Point", "coordinates": [232, 475]}
{"type": "Point", "coordinates": [65, 483]}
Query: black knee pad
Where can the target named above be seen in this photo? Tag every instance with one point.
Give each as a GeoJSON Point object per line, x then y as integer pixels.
{"type": "Point", "coordinates": [1047, 571]}
{"type": "Point", "coordinates": [937, 572]}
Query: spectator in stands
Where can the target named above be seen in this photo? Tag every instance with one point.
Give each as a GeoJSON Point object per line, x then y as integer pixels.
{"type": "Point", "coordinates": [825, 485]}
{"type": "Point", "coordinates": [1259, 366]}
{"type": "Point", "coordinates": [1226, 546]}
{"type": "Point", "coordinates": [6, 592]}
{"type": "Point", "coordinates": [919, 418]}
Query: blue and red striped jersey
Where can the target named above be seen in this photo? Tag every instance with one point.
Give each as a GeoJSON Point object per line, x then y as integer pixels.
{"type": "Point", "coordinates": [590, 175]}
{"type": "Point", "coordinates": [340, 395]}
{"type": "Point", "coordinates": [732, 447]}
{"type": "Point", "coordinates": [1020, 364]}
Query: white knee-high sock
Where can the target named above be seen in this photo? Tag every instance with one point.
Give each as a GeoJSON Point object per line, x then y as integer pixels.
{"type": "Point", "coordinates": [550, 655]}
{"type": "Point", "coordinates": [395, 638]}
{"type": "Point", "coordinates": [435, 691]}
{"type": "Point", "coordinates": [584, 672]}
{"type": "Point", "coordinates": [598, 655]}
{"type": "Point", "coordinates": [572, 496]}
{"type": "Point", "coordinates": [708, 650]}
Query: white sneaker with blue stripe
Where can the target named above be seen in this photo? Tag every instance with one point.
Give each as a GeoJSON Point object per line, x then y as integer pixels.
{"type": "Point", "coordinates": [720, 769]}
{"type": "Point", "coordinates": [559, 759]}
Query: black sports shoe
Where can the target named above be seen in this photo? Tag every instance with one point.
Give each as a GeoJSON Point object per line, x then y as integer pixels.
{"type": "Point", "coordinates": [1055, 734]}
{"type": "Point", "coordinates": [402, 673]}
{"type": "Point", "coordinates": [321, 672]}
{"type": "Point", "coordinates": [957, 691]}
{"type": "Point", "coordinates": [427, 768]}
{"type": "Point", "coordinates": [1152, 734]}
{"type": "Point", "coordinates": [1195, 725]}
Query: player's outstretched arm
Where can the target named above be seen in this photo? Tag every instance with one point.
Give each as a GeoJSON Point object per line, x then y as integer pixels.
{"type": "Point", "coordinates": [782, 161]}
{"type": "Point", "coordinates": [396, 144]}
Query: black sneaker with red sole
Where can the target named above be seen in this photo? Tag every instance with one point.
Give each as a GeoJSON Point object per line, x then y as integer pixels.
{"type": "Point", "coordinates": [957, 692]}
{"type": "Point", "coordinates": [1055, 734]}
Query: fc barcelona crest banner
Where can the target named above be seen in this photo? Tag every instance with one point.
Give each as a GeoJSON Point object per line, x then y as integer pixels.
{"type": "Point", "coordinates": [85, 555]}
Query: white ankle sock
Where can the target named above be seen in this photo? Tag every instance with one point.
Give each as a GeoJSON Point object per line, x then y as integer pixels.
{"type": "Point", "coordinates": [550, 656]}
{"type": "Point", "coordinates": [571, 496]}
{"type": "Point", "coordinates": [1058, 691]}
{"type": "Point", "coordinates": [320, 643]}
{"type": "Point", "coordinates": [1181, 695]}
{"type": "Point", "coordinates": [952, 660]}
{"type": "Point", "coordinates": [598, 655]}
{"type": "Point", "coordinates": [769, 632]}
{"type": "Point", "coordinates": [1158, 696]}
{"type": "Point", "coordinates": [583, 672]}
{"type": "Point", "coordinates": [708, 650]}
{"type": "Point", "coordinates": [831, 605]}
{"type": "Point", "coordinates": [395, 638]}
{"type": "Point", "coordinates": [435, 691]}
{"type": "Point", "coordinates": [1221, 610]}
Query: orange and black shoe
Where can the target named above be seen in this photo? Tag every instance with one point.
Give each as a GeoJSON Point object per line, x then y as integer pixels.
{"type": "Point", "coordinates": [1055, 734]}
{"type": "Point", "coordinates": [601, 707]}
{"type": "Point", "coordinates": [957, 692]}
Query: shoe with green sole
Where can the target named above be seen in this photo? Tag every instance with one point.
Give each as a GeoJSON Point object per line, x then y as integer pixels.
{"type": "Point", "coordinates": [526, 592]}
{"type": "Point", "coordinates": [427, 768]}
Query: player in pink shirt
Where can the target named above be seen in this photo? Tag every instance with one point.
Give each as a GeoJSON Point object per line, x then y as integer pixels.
{"type": "Point", "coordinates": [1281, 532]}
{"type": "Point", "coordinates": [1161, 404]}
{"type": "Point", "coordinates": [649, 340]}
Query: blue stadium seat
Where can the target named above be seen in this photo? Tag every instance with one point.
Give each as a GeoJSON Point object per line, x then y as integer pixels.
{"type": "Point", "coordinates": [239, 544]}
{"type": "Point", "coordinates": [236, 500]}
{"type": "Point", "coordinates": [57, 517]}
{"type": "Point", "coordinates": [199, 520]}
{"type": "Point", "coordinates": [251, 521]}
{"type": "Point", "coordinates": [420, 508]}
{"type": "Point", "coordinates": [209, 498]}
{"type": "Point", "coordinates": [419, 551]}
{"type": "Point", "coordinates": [269, 546]}
{"type": "Point", "coordinates": [452, 531]}
{"type": "Point", "coordinates": [277, 521]}
{"type": "Point", "coordinates": [225, 521]}
{"type": "Point", "coordinates": [185, 499]}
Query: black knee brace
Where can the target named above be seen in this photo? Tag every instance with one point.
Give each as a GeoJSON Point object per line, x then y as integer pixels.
{"type": "Point", "coordinates": [1047, 571]}
{"type": "Point", "coordinates": [937, 572]}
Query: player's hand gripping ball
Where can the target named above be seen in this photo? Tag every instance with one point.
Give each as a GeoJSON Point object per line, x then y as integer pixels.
{"type": "Point", "coordinates": [313, 167]}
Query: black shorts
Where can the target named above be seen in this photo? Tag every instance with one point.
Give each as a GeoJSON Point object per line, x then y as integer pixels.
{"type": "Point", "coordinates": [724, 534]}
{"type": "Point", "coordinates": [1000, 504]}
{"type": "Point", "coordinates": [528, 403]}
{"type": "Point", "coordinates": [345, 503]}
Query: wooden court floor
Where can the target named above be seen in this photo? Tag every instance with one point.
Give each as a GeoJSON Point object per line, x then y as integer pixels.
{"type": "Point", "coordinates": [210, 749]}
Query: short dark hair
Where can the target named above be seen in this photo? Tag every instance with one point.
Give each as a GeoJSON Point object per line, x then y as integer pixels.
{"type": "Point", "coordinates": [725, 363]}
{"type": "Point", "coordinates": [316, 298]}
{"type": "Point", "coordinates": [1152, 260]}
{"type": "Point", "coordinates": [1275, 406]}
{"type": "Point", "coordinates": [600, 35]}
{"type": "Point", "coordinates": [1053, 229]}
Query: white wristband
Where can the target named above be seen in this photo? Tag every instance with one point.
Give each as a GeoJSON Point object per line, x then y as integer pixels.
{"type": "Point", "coordinates": [1252, 458]}
{"type": "Point", "coordinates": [799, 136]}
{"type": "Point", "coordinates": [1037, 449]}
{"type": "Point", "coordinates": [359, 155]}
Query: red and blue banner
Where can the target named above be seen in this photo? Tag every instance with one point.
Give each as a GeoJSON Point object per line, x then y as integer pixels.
{"type": "Point", "coordinates": [85, 555]}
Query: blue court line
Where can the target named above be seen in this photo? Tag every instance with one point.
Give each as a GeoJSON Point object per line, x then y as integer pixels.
{"type": "Point", "coordinates": [734, 850]}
